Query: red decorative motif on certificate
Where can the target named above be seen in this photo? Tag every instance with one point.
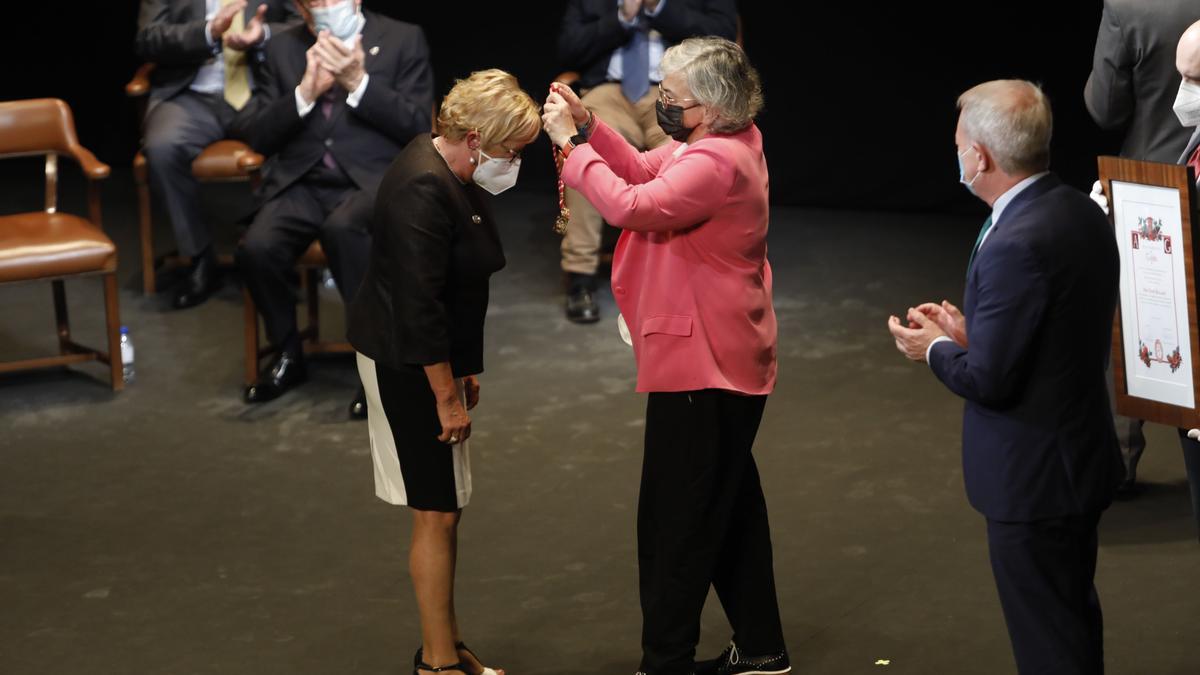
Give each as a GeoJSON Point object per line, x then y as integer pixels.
{"type": "Point", "coordinates": [1173, 360]}
{"type": "Point", "coordinates": [1150, 228]}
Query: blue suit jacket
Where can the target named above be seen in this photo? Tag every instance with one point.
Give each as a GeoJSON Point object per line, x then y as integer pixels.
{"type": "Point", "coordinates": [1038, 438]}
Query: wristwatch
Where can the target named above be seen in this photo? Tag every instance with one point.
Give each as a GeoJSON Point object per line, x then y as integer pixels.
{"type": "Point", "coordinates": [577, 139]}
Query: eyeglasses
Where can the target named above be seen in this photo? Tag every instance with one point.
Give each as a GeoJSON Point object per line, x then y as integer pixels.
{"type": "Point", "coordinates": [667, 99]}
{"type": "Point", "coordinates": [514, 156]}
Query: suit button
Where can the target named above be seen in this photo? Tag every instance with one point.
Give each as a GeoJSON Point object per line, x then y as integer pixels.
{"type": "Point", "coordinates": [328, 142]}
{"type": "Point", "coordinates": [619, 290]}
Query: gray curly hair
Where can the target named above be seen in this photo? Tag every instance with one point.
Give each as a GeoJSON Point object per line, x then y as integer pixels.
{"type": "Point", "coordinates": [720, 77]}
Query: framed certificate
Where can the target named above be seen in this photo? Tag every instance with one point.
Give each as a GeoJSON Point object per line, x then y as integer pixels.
{"type": "Point", "coordinates": [1155, 349]}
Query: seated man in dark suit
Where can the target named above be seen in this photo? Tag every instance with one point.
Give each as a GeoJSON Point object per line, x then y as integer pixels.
{"type": "Point", "coordinates": [340, 96]}
{"type": "Point", "coordinates": [207, 54]}
{"type": "Point", "coordinates": [616, 47]}
{"type": "Point", "coordinates": [1040, 454]}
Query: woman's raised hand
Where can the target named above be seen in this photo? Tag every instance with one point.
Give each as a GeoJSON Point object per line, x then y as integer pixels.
{"type": "Point", "coordinates": [556, 119]}
{"type": "Point", "coordinates": [578, 112]}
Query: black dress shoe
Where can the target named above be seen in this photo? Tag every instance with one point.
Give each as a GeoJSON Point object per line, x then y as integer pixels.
{"type": "Point", "coordinates": [358, 407]}
{"type": "Point", "coordinates": [582, 307]}
{"type": "Point", "coordinates": [203, 279]}
{"type": "Point", "coordinates": [285, 372]}
{"type": "Point", "coordinates": [733, 662]}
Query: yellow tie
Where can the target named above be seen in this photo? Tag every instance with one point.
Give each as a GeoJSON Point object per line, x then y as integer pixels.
{"type": "Point", "coordinates": [237, 75]}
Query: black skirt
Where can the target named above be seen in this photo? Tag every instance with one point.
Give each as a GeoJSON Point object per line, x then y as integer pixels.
{"type": "Point", "coordinates": [412, 467]}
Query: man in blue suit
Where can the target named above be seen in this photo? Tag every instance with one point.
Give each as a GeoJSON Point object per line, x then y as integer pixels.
{"type": "Point", "coordinates": [1040, 455]}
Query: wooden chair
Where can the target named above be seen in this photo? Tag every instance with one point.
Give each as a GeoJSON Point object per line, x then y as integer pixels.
{"type": "Point", "coordinates": [222, 162]}
{"type": "Point", "coordinates": [311, 265]}
{"type": "Point", "coordinates": [51, 246]}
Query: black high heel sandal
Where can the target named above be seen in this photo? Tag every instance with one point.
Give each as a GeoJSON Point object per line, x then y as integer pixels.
{"type": "Point", "coordinates": [460, 667]}
{"type": "Point", "coordinates": [418, 659]}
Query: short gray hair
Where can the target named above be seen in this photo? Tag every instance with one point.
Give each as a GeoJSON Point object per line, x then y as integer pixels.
{"type": "Point", "coordinates": [1012, 119]}
{"type": "Point", "coordinates": [720, 77]}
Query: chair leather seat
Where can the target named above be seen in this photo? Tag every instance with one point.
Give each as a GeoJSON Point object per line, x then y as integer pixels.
{"type": "Point", "coordinates": [314, 256]}
{"type": "Point", "coordinates": [219, 161]}
{"type": "Point", "coordinates": [43, 245]}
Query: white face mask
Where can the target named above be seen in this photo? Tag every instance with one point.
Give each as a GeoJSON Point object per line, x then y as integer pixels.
{"type": "Point", "coordinates": [962, 173]}
{"type": "Point", "coordinates": [342, 20]}
{"type": "Point", "coordinates": [496, 174]}
{"type": "Point", "coordinates": [1187, 104]}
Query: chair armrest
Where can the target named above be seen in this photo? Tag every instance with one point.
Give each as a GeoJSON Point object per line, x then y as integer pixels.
{"type": "Point", "coordinates": [93, 168]}
{"type": "Point", "coordinates": [250, 162]}
{"type": "Point", "coordinates": [139, 85]}
{"type": "Point", "coordinates": [570, 78]}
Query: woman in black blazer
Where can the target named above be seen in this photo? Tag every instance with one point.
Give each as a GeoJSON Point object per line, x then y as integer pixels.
{"type": "Point", "coordinates": [417, 324]}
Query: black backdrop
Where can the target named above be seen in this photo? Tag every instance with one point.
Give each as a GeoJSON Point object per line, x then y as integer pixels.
{"type": "Point", "coordinates": [860, 95]}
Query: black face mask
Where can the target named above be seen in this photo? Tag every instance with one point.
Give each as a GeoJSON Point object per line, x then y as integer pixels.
{"type": "Point", "coordinates": [670, 119]}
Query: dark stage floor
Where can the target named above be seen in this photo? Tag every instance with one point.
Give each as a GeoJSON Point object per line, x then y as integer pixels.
{"type": "Point", "coordinates": [172, 530]}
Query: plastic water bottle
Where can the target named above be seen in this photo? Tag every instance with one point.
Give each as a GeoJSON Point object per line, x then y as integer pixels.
{"type": "Point", "coordinates": [126, 354]}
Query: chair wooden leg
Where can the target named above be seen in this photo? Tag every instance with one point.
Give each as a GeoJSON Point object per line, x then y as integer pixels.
{"type": "Point", "coordinates": [112, 314]}
{"type": "Point", "coordinates": [250, 318]}
{"type": "Point", "coordinates": [60, 316]}
{"type": "Point", "coordinates": [314, 305]}
{"type": "Point", "coordinates": [146, 228]}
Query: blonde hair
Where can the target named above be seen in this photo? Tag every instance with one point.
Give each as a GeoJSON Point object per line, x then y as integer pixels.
{"type": "Point", "coordinates": [720, 77]}
{"type": "Point", "coordinates": [492, 102]}
{"type": "Point", "coordinates": [1012, 119]}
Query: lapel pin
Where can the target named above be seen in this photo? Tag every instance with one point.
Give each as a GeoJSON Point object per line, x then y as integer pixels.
{"type": "Point", "coordinates": [374, 50]}
{"type": "Point", "coordinates": [476, 219]}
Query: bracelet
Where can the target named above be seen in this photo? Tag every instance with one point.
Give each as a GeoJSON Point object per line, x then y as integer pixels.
{"type": "Point", "coordinates": [586, 129]}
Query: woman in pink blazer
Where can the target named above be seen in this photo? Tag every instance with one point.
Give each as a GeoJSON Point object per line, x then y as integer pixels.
{"type": "Point", "coordinates": [692, 281]}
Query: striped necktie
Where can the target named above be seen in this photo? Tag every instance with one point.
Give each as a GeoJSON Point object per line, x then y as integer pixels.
{"type": "Point", "coordinates": [987, 224]}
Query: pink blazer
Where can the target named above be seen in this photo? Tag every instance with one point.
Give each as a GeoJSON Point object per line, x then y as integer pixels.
{"type": "Point", "coordinates": [690, 273]}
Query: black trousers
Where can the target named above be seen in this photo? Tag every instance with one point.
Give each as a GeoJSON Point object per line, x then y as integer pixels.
{"type": "Point", "coordinates": [1044, 572]}
{"type": "Point", "coordinates": [319, 206]}
{"type": "Point", "coordinates": [702, 521]}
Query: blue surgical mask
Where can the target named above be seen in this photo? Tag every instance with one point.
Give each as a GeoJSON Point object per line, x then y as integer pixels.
{"type": "Point", "coordinates": [962, 173]}
{"type": "Point", "coordinates": [342, 20]}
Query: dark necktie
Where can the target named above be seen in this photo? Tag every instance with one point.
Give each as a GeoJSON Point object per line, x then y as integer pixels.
{"type": "Point", "coordinates": [327, 110]}
{"type": "Point", "coordinates": [979, 241]}
{"type": "Point", "coordinates": [635, 66]}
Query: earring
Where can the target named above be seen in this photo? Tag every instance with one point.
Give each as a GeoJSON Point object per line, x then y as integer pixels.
{"type": "Point", "coordinates": [471, 160]}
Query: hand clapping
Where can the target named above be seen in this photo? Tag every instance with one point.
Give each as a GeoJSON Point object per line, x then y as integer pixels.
{"type": "Point", "coordinates": [251, 35]}
{"type": "Point", "coordinates": [345, 63]}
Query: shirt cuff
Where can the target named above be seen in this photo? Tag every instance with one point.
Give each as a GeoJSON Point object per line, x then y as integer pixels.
{"type": "Point", "coordinates": [355, 97]}
{"type": "Point", "coordinates": [266, 35]}
{"type": "Point", "coordinates": [657, 10]}
{"type": "Point", "coordinates": [929, 349]}
{"type": "Point", "coordinates": [302, 107]}
{"type": "Point", "coordinates": [208, 38]}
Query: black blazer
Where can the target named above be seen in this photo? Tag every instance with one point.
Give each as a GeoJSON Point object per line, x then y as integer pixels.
{"type": "Point", "coordinates": [591, 31]}
{"type": "Point", "coordinates": [395, 107]}
{"type": "Point", "coordinates": [1038, 438]}
{"type": "Point", "coordinates": [171, 34]}
{"type": "Point", "coordinates": [434, 248]}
